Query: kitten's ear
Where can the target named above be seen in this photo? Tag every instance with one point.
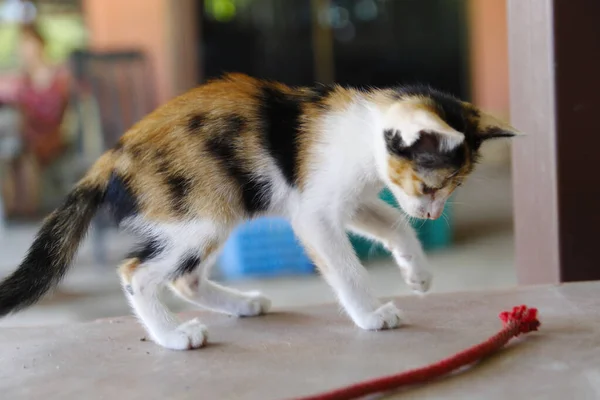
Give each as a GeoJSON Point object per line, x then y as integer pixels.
{"type": "Point", "coordinates": [491, 127]}
{"type": "Point", "coordinates": [413, 120]}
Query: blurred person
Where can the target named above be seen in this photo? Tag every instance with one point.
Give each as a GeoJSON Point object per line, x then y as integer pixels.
{"type": "Point", "coordinates": [40, 94]}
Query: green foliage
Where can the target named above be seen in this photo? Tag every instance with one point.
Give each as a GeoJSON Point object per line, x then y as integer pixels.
{"type": "Point", "coordinates": [63, 33]}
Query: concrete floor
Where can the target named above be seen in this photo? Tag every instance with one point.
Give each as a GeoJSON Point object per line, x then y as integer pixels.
{"type": "Point", "coordinates": [307, 350]}
{"type": "Point", "coordinates": [481, 258]}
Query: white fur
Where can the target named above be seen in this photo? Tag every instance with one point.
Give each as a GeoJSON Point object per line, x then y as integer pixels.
{"type": "Point", "coordinates": [411, 120]}
{"type": "Point", "coordinates": [348, 171]}
{"type": "Point", "coordinates": [180, 240]}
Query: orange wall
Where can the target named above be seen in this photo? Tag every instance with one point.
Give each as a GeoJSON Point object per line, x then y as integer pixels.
{"type": "Point", "coordinates": [127, 24]}
{"type": "Point", "coordinates": [489, 55]}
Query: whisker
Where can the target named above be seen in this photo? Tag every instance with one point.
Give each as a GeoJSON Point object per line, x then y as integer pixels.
{"type": "Point", "coordinates": [447, 220]}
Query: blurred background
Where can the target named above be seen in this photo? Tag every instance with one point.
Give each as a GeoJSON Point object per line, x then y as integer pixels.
{"type": "Point", "coordinates": [75, 74]}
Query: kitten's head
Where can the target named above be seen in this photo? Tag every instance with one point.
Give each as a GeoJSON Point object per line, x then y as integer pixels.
{"type": "Point", "coordinates": [432, 143]}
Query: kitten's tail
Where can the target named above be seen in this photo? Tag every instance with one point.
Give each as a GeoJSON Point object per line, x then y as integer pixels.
{"type": "Point", "coordinates": [55, 245]}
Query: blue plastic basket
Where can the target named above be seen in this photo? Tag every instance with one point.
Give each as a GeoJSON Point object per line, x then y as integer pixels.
{"type": "Point", "coordinates": [263, 247]}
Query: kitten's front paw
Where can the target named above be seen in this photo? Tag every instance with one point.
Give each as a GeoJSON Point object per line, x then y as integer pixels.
{"type": "Point", "coordinates": [187, 336]}
{"type": "Point", "coordinates": [255, 304]}
{"type": "Point", "coordinates": [414, 271]}
{"type": "Point", "coordinates": [385, 317]}
{"type": "Point", "coordinates": [418, 280]}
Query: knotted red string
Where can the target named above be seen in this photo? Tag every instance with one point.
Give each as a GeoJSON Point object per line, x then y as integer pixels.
{"type": "Point", "coordinates": [520, 320]}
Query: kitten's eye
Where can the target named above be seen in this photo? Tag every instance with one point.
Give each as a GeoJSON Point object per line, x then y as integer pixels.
{"type": "Point", "coordinates": [428, 190]}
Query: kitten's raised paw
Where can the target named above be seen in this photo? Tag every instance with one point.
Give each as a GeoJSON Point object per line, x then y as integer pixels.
{"type": "Point", "coordinates": [419, 280]}
{"type": "Point", "coordinates": [385, 317]}
{"type": "Point", "coordinates": [187, 336]}
{"type": "Point", "coordinates": [255, 304]}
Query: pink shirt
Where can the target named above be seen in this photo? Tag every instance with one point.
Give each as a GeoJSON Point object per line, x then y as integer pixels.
{"type": "Point", "coordinates": [42, 111]}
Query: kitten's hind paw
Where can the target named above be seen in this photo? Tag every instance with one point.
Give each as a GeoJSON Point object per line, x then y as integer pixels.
{"type": "Point", "coordinates": [187, 336]}
{"type": "Point", "coordinates": [255, 304]}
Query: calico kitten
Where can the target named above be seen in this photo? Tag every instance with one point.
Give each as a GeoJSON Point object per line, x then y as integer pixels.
{"type": "Point", "coordinates": [238, 148]}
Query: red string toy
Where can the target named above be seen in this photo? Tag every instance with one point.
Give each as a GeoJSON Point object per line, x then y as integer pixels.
{"type": "Point", "coordinates": [520, 320]}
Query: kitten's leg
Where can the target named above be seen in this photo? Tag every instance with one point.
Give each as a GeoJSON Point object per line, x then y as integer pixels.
{"type": "Point", "coordinates": [329, 246]}
{"type": "Point", "coordinates": [142, 282]}
{"type": "Point", "coordinates": [197, 289]}
{"type": "Point", "coordinates": [377, 220]}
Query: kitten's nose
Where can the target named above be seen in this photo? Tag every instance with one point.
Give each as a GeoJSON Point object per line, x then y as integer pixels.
{"type": "Point", "coordinates": [435, 213]}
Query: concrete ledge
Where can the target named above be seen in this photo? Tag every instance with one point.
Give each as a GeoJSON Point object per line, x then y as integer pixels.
{"type": "Point", "coordinates": [291, 353]}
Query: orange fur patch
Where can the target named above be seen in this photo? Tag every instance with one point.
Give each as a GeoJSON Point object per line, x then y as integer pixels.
{"type": "Point", "coordinates": [402, 174]}
{"type": "Point", "coordinates": [127, 269]}
{"type": "Point", "coordinates": [187, 285]}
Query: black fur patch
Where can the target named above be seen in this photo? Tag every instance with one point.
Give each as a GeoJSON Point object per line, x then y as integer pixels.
{"type": "Point", "coordinates": [186, 266]}
{"type": "Point", "coordinates": [195, 122]}
{"type": "Point", "coordinates": [450, 109]}
{"type": "Point", "coordinates": [320, 93]}
{"type": "Point", "coordinates": [322, 90]}
{"type": "Point", "coordinates": [148, 250]}
{"type": "Point", "coordinates": [395, 144]}
{"type": "Point", "coordinates": [256, 193]}
{"type": "Point", "coordinates": [496, 132]}
{"type": "Point", "coordinates": [438, 160]}
{"type": "Point", "coordinates": [120, 199]}
{"type": "Point", "coordinates": [235, 125]}
{"type": "Point", "coordinates": [136, 151]}
{"type": "Point", "coordinates": [178, 184]}
{"type": "Point", "coordinates": [179, 188]}
{"type": "Point", "coordinates": [162, 161]}
{"type": "Point", "coordinates": [424, 152]}
{"type": "Point", "coordinates": [280, 116]}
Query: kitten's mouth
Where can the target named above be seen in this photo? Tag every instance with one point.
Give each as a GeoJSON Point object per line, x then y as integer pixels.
{"type": "Point", "coordinates": [435, 216]}
{"type": "Point", "coordinates": [426, 215]}
{"type": "Point", "coordinates": [429, 217]}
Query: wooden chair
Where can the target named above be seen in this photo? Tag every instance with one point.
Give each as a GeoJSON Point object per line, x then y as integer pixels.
{"type": "Point", "coordinates": [121, 83]}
